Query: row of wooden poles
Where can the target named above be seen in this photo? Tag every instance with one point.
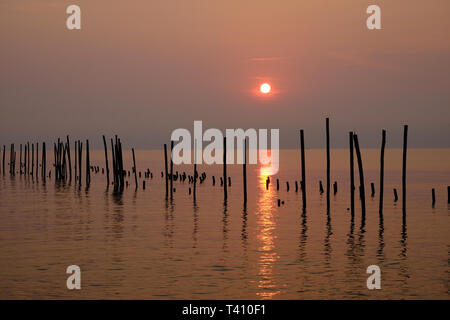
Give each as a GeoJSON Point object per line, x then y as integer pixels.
{"type": "Point", "coordinates": [354, 149]}
{"type": "Point", "coordinates": [28, 160]}
{"type": "Point", "coordinates": [63, 168]}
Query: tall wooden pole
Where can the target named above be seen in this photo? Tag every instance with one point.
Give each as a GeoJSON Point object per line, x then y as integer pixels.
{"type": "Point", "coordinates": [302, 152]}
{"type": "Point", "coordinates": [20, 159]}
{"type": "Point", "coordinates": [80, 156]}
{"type": "Point", "coordinates": [114, 165]}
{"type": "Point", "coordinates": [361, 178]}
{"type": "Point", "coordinates": [165, 168]}
{"type": "Point", "coordinates": [134, 168]}
{"type": "Point", "coordinates": [88, 165]}
{"type": "Point", "coordinates": [383, 145]}
{"type": "Point", "coordinates": [328, 162]}
{"type": "Point", "coordinates": [195, 170]}
{"type": "Point", "coordinates": [171, 170]}
{"type": "Point", "coordinates": [352, 177]}
{"type": "Point", "coordinates": [68, 158]}
{"type": "Point", "coordinates": [44, 162]}
{"type": "Point", "coordinates": [405, 142]}
{"type": "Point", "coordinates": [244, 169]}
{"type": "Point", "coordinates": [3, 162]}
{"type": "Point", "coordinates": [32, 159]}
{"type": "Point", "coordinates": [106, 160]}
{"type": "Point", "coordinates": [225, 193]}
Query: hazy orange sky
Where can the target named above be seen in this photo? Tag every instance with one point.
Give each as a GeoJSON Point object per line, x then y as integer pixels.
{"type": "Point", "coordinates": [142, 68]}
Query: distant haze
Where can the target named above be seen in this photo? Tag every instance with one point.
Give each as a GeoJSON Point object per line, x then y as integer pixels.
{"type": "Point", "coordinates": [142, 68]}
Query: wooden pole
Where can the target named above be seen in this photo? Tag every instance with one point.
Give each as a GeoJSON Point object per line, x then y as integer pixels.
{"type": "Point", "coordinates": [448, 194]}
{"type": "Point", "coordinates": [88, 165]}
{"type": "Point", "coordinates": [114, 164]}
{"type": "Point", "coordinates": [395, 195]}
{"type": "Point", "coordinates": [303, 183]}
{"type": "Point", "coordinates": [3, 162]}
{"type": "Point", "coordinates": [352, 177]}
{"type": "Point", "coordinates": [11, 152]}
{"type": "Point", "coordinates": [171, 170]}
{"type": "Point", "coordinates": [433, 197]}
{"type": "Point", "coordinates": [20, 159]}
{"type": "Point", "coordinates": [405, 142]}
{"type": "Point", "coordinates": [120, 162]}
{"type": "Point", "coordinates": [135, 169]}
{"type": "Point", "coordinates": [195, 170]}
{"type": "Point", "coordinates": [37, 160]}
{"type": "Point", "coordinates": [165, 168]}
{"type": "Point", "coordinates": [383, 145]}
{"type": "Point", "coordinates": [225, 193]}
{"type": "Point", "coordinates": [80, 156]}
{"type": "Point", "coordinates": [328, 162]}
{"type": "Point", "coordinates": [361, 178]}
{"type": "Point", "coordinates": [69, 159]}
{"type": "Point", "coordinates": [25, 160]}
{"type": "Point", "coordinates": [244, 171]}
{"type": "Point", "coordinates": [372, 188]}
{"type": "Point", "coordinates": [75, 161]}
{"type": "Point", "coordinates": [32, 159]}
{"type": "Point", "coordinates": [106, 160]}
{"type": "Point", "coordinates": [28, 157]}
{"type": "Point", "coordinates": [44, 162]}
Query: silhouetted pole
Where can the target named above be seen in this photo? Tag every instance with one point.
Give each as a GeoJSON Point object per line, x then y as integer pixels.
{"type": "Point", "coordinates": [244, 167]}
{"type": "Point", "coordinates": [303, 183]}
{"type": "Point", "coordinates": [25, 160]}
{"type": "Point", "coordinates": [195, 170]}
{"type": "Point", "coordinates": [80, 156]}
{"type": "Point", "coordinates": [114, 165]}
{"type": "Point", "coordinates": [32, 159]}
{"type": "Point", "coordinates": [383, 145]}
{"type": "Point", "coordinates": [405, 142]}
{"type": "Point", "coordinates": [433, 197]}
{"type": "Point", "coordinates": [165, 168]}
{"type": "Point", "coordinates": [171, 170]}
{"type": "Point", "coordinates": [28, 165]}
{"type": "Point", "coordinates": [395, 195]}
{"type": "Point", "coordinates": [44, 162]}
{"type": "Point", "coordinates": [88, 165]}
{"type": "Point", "coordinates": [20, 159]}
{"type": "Point", "coordinates": [68, 157]}
{"type": "Point", "coordinates": [225, 193]}
{"type": "Point", "coordinates": [328, 162]}
{"type": "Point", "coordinates": [448, 194]}
{"type": "Point", "coordinates": [120, 164]}
{"type": "Point", "coordinates": [352, 177]}
{"type": "Point", "coordinates": [37, 160]}
{"type": "Point", "coordinates": [106, 160]}
{"type": "Point", "coordinates": [75, 160]}
{"type": "Point", "coordinates": [3, 162]}
{"type": "Point", "coordinates": [361, 178]}
{"type": "Point", "coordinates": [135, 169]}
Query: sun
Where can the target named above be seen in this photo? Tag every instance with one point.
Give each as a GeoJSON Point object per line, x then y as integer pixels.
{"type": "Point", "coordinates": [265, 88]}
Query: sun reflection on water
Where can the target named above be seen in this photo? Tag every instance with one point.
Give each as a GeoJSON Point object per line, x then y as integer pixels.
{"type": "Point", "coordinates": [266, 225]}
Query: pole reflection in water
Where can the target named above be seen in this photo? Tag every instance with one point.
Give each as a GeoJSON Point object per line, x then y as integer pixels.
{"type": "Point", "coordinates": [225, 226]}
{"type": "Point", "coordinates": [266, 225]}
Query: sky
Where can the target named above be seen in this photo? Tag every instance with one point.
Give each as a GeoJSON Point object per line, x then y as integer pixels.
{"type": "Point", "coordinates": [143, 68]}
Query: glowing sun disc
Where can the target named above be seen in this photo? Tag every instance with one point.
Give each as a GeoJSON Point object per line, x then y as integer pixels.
{"type": "Point", "coordinates": [265, 88]}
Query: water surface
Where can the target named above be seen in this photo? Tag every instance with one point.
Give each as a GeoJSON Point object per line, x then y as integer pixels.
{"type": "Point", "coordinates": [138, 244]}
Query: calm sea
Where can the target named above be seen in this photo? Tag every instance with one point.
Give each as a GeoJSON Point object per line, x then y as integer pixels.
{"type": "Point", "coordinates": [139, 245]}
